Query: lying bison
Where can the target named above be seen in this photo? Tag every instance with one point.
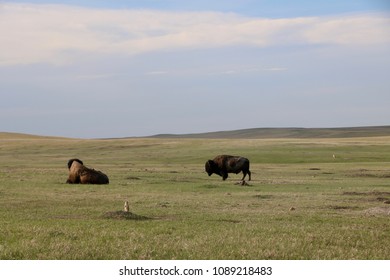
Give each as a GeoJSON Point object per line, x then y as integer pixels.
{"type": "Point", "coordinates": [80, 174]}
{"type": "Point", "coordinates": [224, 164]}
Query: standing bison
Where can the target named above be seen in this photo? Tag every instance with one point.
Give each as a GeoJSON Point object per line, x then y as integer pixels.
{"type": "Point", "coordinates": [80, 174]}
{"type": "Point", "coordinates": [224, 164]}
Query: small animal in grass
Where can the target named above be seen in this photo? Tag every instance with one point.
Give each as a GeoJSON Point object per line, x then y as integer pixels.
{"type": "Point", "coordinates": [126, 207]}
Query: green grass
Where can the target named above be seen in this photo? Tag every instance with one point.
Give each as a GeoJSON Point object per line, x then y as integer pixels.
{"type": "Point", "coordinates": [301, 204]}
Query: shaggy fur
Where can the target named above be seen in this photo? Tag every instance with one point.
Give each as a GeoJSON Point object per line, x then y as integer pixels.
{"type": "Point", "coordinates": [80, 174]}
{"type": "Point", "coordinates": [224, 164]}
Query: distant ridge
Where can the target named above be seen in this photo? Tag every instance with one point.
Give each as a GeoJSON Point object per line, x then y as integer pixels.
{"type": "Point", "coordinates": [250, 133]}
{"type": "Point", "coordinates": [292, 132]}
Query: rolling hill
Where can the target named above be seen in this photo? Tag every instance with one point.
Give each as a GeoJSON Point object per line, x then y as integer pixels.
{"type": "Point", "coordinates": [267, 133]}
{"type": "Point", "coordinates": [250, 133]}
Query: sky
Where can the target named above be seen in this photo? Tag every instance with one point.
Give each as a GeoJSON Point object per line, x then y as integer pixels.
{"type": "Point", "coordinates": [105, 69]}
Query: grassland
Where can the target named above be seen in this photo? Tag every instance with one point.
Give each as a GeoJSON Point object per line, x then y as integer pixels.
{"type": "Point", "coordinates": [301, 203]}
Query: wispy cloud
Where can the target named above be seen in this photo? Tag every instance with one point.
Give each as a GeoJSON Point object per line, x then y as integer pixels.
{"type": "Point", "coordinates": [275, 69]}
{"type": "Point", "coordinates": [62, 34]}
{"type": "Point", "coordinates": [248, 70]}
{"type": "Point", "coordinates": [354, 29]}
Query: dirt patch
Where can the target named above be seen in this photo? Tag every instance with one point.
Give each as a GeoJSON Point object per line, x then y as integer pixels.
{"type": "Point", "coordinates": [383, 210]}
{"type": "Point", "coordinates": [263, 196]}
{"type": "Point", "coordinates": [122, 215]}
{"type": "Point", "coordinates": [383, 199]}
{"type": "Point", "coordinates": [209, 186]}
{"type": "Point", "coordinates": [373, 193]}
{"type": "Point", "coordinates": [372, 196]}
{"type": "Point", "coordinates": [228, 221]}
{"type": "Point", "coordinates": [340, 207]}
{"type": "Point", "coordinates": [370, 173]}
{"type": "Point", "coordinates": [133, 178]}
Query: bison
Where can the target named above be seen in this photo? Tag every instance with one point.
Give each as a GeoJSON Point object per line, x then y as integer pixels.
{"type": "Point", "coordinates": [224, 164]}
{"type": "Point", "coordinates": [80, 174]}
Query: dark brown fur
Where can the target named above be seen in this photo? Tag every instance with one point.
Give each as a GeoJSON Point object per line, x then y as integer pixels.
{"type": "Point", "coordinates": [224, 164]}
{"type": "Point", "coordinates": [80, 174]}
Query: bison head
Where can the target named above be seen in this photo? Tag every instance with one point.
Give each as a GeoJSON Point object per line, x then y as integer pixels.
{"type": "Point", "coordinates": [211, 167]}
{"type": "Point", "coordinates": [72, 160]}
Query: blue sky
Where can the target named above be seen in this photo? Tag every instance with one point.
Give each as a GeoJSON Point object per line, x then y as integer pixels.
{"type": "Point", "coordinates": [263, 8]}
{"type": "Point", "coordinates": [94, 69]}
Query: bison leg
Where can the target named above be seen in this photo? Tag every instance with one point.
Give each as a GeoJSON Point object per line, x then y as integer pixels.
{"type": "Point", "coordinates": [246, 172]}
{"type": "Point", "coordinates": [224, 176]}
{"type": "Point", "coordinates": [73, 180]}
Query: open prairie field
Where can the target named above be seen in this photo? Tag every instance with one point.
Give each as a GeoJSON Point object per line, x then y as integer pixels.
{"type": "Point", "coordinates": [302, 203]}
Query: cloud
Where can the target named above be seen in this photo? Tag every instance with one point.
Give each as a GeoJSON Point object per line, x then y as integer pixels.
{"type": "Point", "coordinates": [358, 29]}
{"type": "Point", "coordinates": [276, 69]}
{"type": "Point", "coordinates": [59, 34]}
